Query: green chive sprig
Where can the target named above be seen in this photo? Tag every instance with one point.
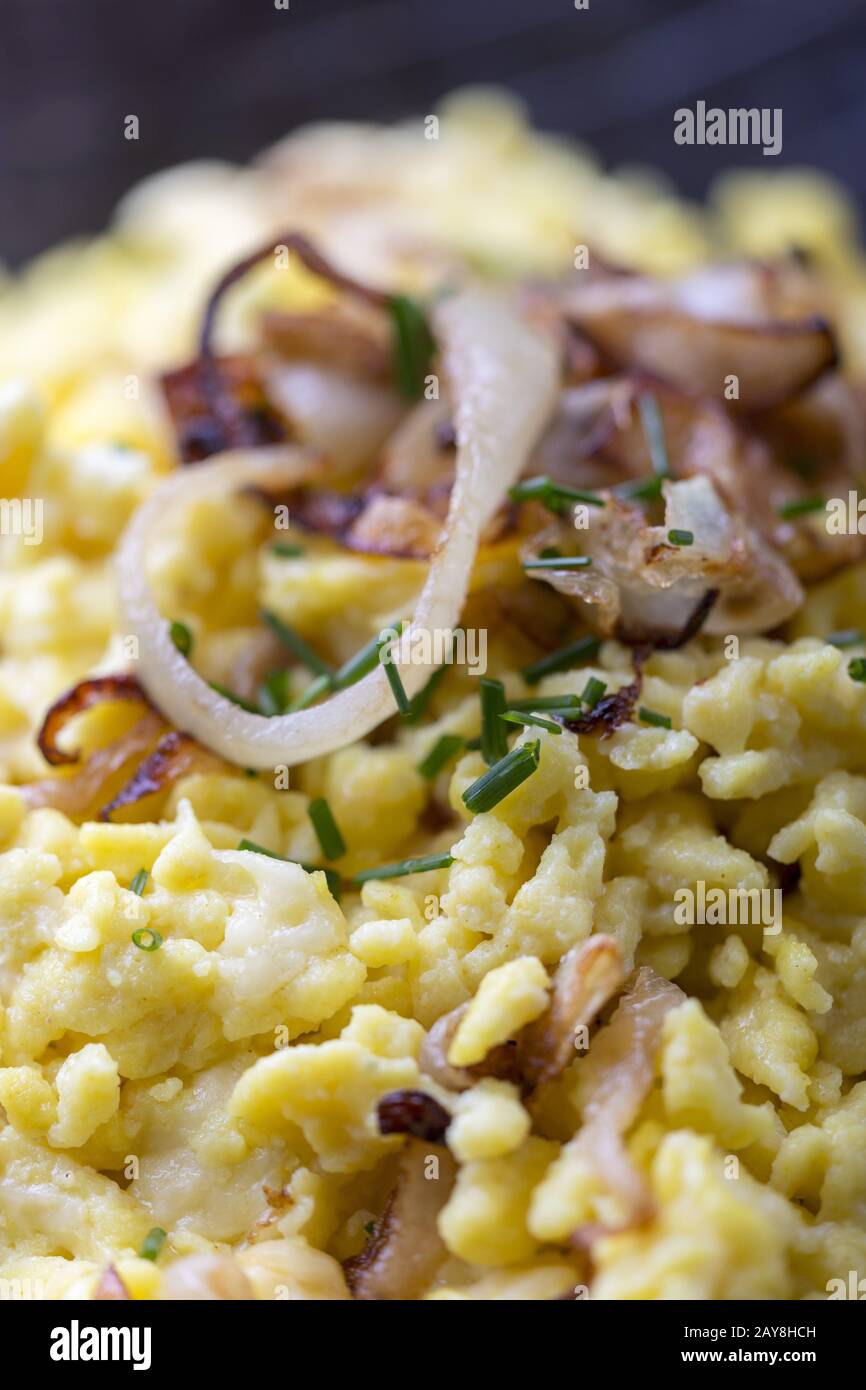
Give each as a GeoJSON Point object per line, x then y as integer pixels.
{"type": "Point", "coordinates": [139, 883]}
{"type": "Point", "coordinates": [286, 550]}
{"type": "Point", "coordinates": [558, 562]}
{"type": "Point", "coordinates": [404, 867]}
{"type": "Point", "coordinates": [503, 778]}
{"type": "Point", "coordinates": [857, 668]}
{"type": "Point", "coordinates": [542, 702]}
{"type": "Point", "coordinates": [413, 345]}
{"type": "Point", "coordinates": [401, 699]}
{"type": "Point", "coordinates": [274, 693]}
{"type": "Point", "coordinates": [641, 489]}
{"type": "Point", "coordinates": [681, 537]}
{"type": "Point", "coordinates": [361, 664]}
{"type": "Point", "coordinates": [556, 497]}
{"type": "Point", "coordinates": [515, 716]}
{"type": "Point", "coordinates": [494, 740]}
{"type": "Point", "coordinates": [235, 699]}
{"type": "Point", "coordinates": [562, 660]}
{"type": "Point", "coordinates": [296, 644]}
{"type": "Point", "coordinates": [152, 1243]}
{"type": "Point", "coordinates": [592, 692]}
{"type": "Point", "coordinates": [651, 716]}
{"type": "Point", "coordinates": [446, 747]}
{"type": "Point", "coordinates": [326, 828]}
{"type": "Point", "coordinates": [654, 431]}
{"type": "Point", "coordinates": [181, 636]}
{"type": "Point", "coordinates": [803, 507]}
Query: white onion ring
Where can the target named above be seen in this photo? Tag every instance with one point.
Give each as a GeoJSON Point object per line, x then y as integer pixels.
{"type": "Point", "coordinates": [503, 375]}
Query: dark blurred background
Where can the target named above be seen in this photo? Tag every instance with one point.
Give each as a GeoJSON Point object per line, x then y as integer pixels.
{"type": "Point", "coordinates": [226, 77]}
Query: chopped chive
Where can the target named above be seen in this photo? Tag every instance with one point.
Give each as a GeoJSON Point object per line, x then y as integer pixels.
{"type": "Point", "coordinates": [274, 693]}
{"type": "Point", "coordinates": [554, 496]}
{"type": "Point", "coordinates": [443, 750]}
{"type": "Point", "coordinates": [235, 699]}
{"type": "Point", "coordinates": [681, 537]}
{"type": "Point", "coordinates": [558, 562]}
{"type": "Point", "coordinates": [494, 740]}
{"type": "Point", "coordinates": [353, 670]}
{"type": "Point", "coordinates": [146, 939]}
{"type": "Point", "coordinates": [181, 637]}
{"type": "Point", "coordinates": [358, 665]}
{"type": "Point", "coordinates": [362, 663]}
{"type": "Point", "coordinates": [538, 702]}
{"type": "Point", "coordinates": [255, 848]}
{"type": "Point", "coordinates": [857, 668]}
{"type": "Point", "coordinates": [850, 637]}
{"type": "Point", "coordinates": [369, 1227]}
{"type": "Point", "coordinates": [500, 780]}
{"type": "Point", "coordinates": [593, 691]}
{"type": "Point", "coordinates": [803, 507]}
{"type": "Point", "coordinates": [326, 828]}
{"type": "Point", "coordinates": [330, 874]}
{"type": "Point", "coordinates": [286, 550]}
{"type": "Point", "coordinates": [561, 660]}
{"type": "Point", "coordinates": [651, 716]}
{"type": "Point", "coordinates": [514, 716]}
{"type": "Point", "coordinates": [653, 428]}
{"type": "Point", "coordinates": [152, 1243]}
{"type": "Point", "coordinates": [404, 867]}
{"type": "Point", "coordinates": [139, 883]}
{"type": "Point", "coordinates": [401, 699]}
{"type": "Point", "coordinates": [641, 490]}
{"type": "Point", "coordinates": [296, 644]}
{"type": "Point", "coordinates": [413, 345]}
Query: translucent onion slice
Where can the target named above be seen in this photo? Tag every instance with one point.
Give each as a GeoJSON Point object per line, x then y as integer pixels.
{"type": "Point", "coordinates": [503, 376]}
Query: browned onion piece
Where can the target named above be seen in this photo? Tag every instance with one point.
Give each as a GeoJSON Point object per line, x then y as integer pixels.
{"type": "Point", "coordinates": [396, 526]}
{"type": "Point", "coordinates": [200, 432]}
{"type": "Point", "coordinates": [415, 1113]}
{"type": "Point", "coordinates": [334, 336]}
{"type": "Point", "coordinates": [503, 374]}
{"type": "Point", "coordinates": [695, 333]}
{"type": "Point", "coordinates": [500, 1062]}
{"type": "Point", "coordinates": [81, 792]}
{"type": "Point", "coordinates": [401, 1257]}
{"type": "Point", "coordinates": [617, 1075]}
{"type": "Point", "coordinates": [646, 590]}
{"type": "Point", "coordinates": [586, 978]}
{"type": "Point", "coordinates": [97, 690]}
{"type": "Point", "coordinates": [175, 756]}
{"type": "Point", "coordinates": [237, 429]}
{"type": "Point", "coordinates": [417, 454]}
